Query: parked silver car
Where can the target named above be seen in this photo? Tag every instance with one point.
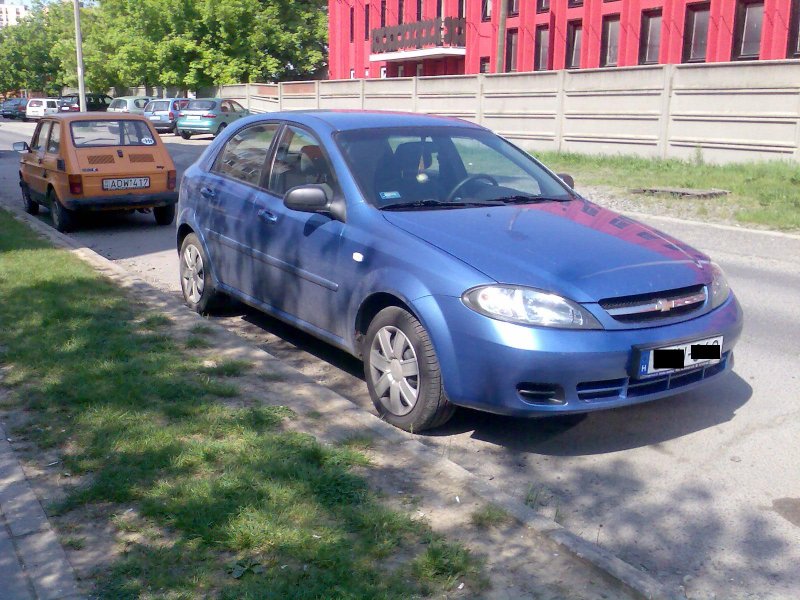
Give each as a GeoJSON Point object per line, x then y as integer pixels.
{"type": "Point", "coordinates": [129, 104]}
{"type": "Point", "coordinates": [163, 113]}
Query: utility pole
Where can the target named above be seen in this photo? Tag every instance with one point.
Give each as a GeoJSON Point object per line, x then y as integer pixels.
{"type": "Point", "coordinates": [501, 37]}
{"type": "Point", "coordinates": [79, 51]}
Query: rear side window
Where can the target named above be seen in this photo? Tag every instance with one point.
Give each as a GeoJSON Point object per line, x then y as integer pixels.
{"type": "Point", "coordinates": [52, 104]}
{"type": "Point", "coordinates": [54, 145]}
{"type": "Point", "coordinates": [111, 133]}
{"type": "Point", "coordinates": [201, 105]}
{"type": "Point", "coordinates": [244, 156]}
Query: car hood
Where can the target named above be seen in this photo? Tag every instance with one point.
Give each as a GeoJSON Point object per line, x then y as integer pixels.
{"type": "Point", "coordinates": [576, 249]}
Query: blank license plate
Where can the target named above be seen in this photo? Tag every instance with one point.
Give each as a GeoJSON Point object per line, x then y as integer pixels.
{"type": "Point", "coordinates": [681, 356]}
{"type": "Point", "coordinates": [192, 117]}
{"type": "Point", "coordinates": [126, 183]}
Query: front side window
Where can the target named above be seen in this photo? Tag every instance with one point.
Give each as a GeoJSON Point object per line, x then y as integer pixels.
{"type": "Point", "coordinates": [609, 41]}
{"type": "Point", "coordinates": [747, 36]}
{"type": "Point", "coordinates": [650, 37]}
{"type": "Point", "coordinates": [443, 167]}
{"type": "Point", "coordinates": [695, 33]}
{"type": "Point", "coordinates": [542, 43]}
{"type": "Point", "coordinates": [245, 154]}
{"type": "Point", "coordinates": [54, 143]}
{"type": "Point", "coordinates": [574, 37]}
{"type": "Point", "coordinates": [299, 160]}
{"type": "Point", "coordinates": [111, 133]}
{"type": "Point", "coordinates": [140, 102]}
{"type": "Point", "coordinates": [41, 133]}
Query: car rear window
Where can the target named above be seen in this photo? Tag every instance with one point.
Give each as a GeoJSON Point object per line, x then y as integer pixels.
{"type": "Point", "coordinates": [201, 105]}
{"type": "Point", "coordinates": [69, 100]}
{"type": "Point", "coordinates": [160, 105]}
{"type": "Point", "coordinates": [114, 104]}
{"type": "Point", "coordinates": [35, 103]}
{"type": "Point", "coordinates": [112, 132]}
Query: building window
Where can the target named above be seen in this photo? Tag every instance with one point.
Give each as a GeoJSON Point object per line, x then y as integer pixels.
{"type": "Point", "coordinates": [419, 10]}
{"type": "Point", "coordinates": [609, 41]}
{"type": "Point", "coordinates": [383, 72]}
{"type": "Point", "coordinates": [542, 6]}
{"type": "Point", "coordinates": [512, 37]}
{"type": "Point", "coordinates": [574, 3]}
{"type": "Point", "coordinates": [383, 13]}
{"type": "Point", "coordinates": [793, 50]}
{"type": "Point", "coordinates": [484, 64]}
{"type": "Point", "coordinates": [401, 70]}
{"type": "Point", "coordinates": [747, 31]}
{"type": "Point", "coordinates": [366, 73]}
{"type": "Point", "coordinates": [486, 10]}
{"type": "Point", "coordinates": [400, 11]}
{"type": "Point", "coordinates": [439, 8]}
{"type": "Point", "coordinates": [513, 8]}
{"type": "Point", "coordinates": [695, 33]}
{"type": "Point", "coordinates": [366, 22]}
{"type": "Point", "coordinates": [462, 8]}
{"type": "Point", "coordinates": [574, 35]}
{"type": "Point", "coordinates": [352, 73]}
{"type": "Point", "coordinates": [352, 22]}
{"type": "Point", "coordinates": [420, 69]}
{"type": "Point", "coordinates": [542, 43]}
{"type": "Point", "coordinates": [650, 37]}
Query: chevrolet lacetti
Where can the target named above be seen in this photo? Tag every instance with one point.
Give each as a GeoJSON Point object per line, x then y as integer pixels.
{"type": "Point", "coordinates": [456, 266]}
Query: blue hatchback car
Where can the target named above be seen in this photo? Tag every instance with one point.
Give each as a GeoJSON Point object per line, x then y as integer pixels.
{"type": "Point", "coordinates": [456, 266]}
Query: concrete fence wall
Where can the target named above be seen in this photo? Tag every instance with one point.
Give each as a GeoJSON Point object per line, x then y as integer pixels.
{"type": "Point", "coordinates": [729, 112]}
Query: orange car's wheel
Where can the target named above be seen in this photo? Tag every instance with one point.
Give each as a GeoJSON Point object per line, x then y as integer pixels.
{"type": "Point", "coordinates": [63, 218]}
{"type": "Point", "coordinates": [164, 214]}
{"type": "Point", "coordinates": [31, 207]}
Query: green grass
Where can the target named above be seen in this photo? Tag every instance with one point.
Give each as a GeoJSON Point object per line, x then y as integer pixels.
{"type": "Point", "coordinates": [227, 368]}
{"type": "Point", "coordinates": [763, 193]}
{"type": "Point", "coordinates": [489, 515]}
{"type": "Point", "coordinates": [221, 502]}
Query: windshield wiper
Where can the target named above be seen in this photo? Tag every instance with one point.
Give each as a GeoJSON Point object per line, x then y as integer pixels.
{"type": "Point", "coordinates": [431, 204]}
{"type": "Point", "coordinates": [526, 199]}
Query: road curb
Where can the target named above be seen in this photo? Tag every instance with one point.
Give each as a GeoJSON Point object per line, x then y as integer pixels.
{"type": "Point", "coordinates": [308, 393]}
{"type": "Point", "coordinates": [640, 216]}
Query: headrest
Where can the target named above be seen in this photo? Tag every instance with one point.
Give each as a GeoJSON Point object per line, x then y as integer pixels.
{"type": "Point", "coordinates": [310, 158]}
{"type": "Point", "coordinates": [413, 157]}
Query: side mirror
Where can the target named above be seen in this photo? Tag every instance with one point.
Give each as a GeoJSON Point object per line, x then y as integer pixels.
{"type": "Point", "coordinates": [567, 179]}
{"type": "Point", "coordinates": [21, 147]}
{"type": "Point", "coordinates": [312, 198]}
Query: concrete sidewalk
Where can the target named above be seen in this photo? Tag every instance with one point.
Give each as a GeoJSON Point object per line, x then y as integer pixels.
{"type": "Point", "coordinates": [33, 565]}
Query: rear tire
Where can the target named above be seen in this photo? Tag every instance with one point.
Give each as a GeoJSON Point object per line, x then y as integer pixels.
{"type": "Point", "coordinates": [164, 214]}
{"type": "Point", "coordinates": [185, 135]}
{"type": "Point", "coordinates": [31, 207]}
{"type": "Point", "coordinates": [63, 218]}
{"type": "Point", "coordinates": [220, 129]}
{"type": "Point", "coordinates": [196, 281]}
{"type": "Point", "coordinates": [402, 372]}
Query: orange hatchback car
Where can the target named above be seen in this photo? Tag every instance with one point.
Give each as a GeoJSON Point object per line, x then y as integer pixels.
{"type": "Point", "coordinates": [91, 162]}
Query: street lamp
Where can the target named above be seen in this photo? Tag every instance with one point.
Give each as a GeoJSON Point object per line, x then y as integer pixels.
{"type": "Point", "coordinates": [79, 50]}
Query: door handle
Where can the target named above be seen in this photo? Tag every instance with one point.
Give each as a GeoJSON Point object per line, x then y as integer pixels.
{"type": "Point", "coordinates": [207, 192]}
{"type": "Point", "coordinates": [267, 216]}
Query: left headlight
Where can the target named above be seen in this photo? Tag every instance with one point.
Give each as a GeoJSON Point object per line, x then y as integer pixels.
{"type": "Point", "coordinates": [526, 306]}
{"type": "Point", "coordinates": [719, 290]}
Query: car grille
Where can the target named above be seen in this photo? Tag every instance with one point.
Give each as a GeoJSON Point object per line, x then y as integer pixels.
{"type": "Point", "coordinates": [655, 306]}
{"type": "Point", "coordinates": [612, 389]}
{"type": "Point", "coordinates": [100, 159]}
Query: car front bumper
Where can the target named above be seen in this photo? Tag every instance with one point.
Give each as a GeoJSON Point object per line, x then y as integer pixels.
{"type": "Point", "coordinates": [511, 369]}
{"type": "Point", "coordinates": [121, 202]}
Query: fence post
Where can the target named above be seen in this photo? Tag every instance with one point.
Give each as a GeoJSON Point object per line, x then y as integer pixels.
{"type": "Point", "coordinates": [414, 97]}
{"type": "Point", "coordinates": [247, 95]}
{"type": "Point", "coordinates": [666, 111]}
{"type": "Point", "coordinates": [363, 93]}
{"type": "Point", "coordinates": [316, 90]}
{"type": "Point", "coordinates": [561, 94]}
{"type": "Point", "coordinates": [479, 97]}
{"type": "Point", "coordinates": [280, 95]}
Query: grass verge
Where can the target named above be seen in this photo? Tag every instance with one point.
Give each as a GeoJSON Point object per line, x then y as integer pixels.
{"type": "Point", "coordinates": [762, 193]}
{"type": "Point", "coordinates": [225, 502]}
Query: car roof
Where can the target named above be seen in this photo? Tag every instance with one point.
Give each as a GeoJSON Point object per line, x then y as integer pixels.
{"type": "Point", "coordinates": [135, 98]}
{"type": "Point", "coordinates": [343, 120]}
{"type": "Point", "coordinates": [96, 116]}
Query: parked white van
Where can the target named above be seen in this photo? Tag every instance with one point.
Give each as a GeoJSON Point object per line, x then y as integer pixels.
{"type": "Point", "coordinates": [39, 107]}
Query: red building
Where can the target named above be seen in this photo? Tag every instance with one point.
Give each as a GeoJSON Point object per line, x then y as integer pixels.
{"type": "Point", "coordinates": [396, 38]}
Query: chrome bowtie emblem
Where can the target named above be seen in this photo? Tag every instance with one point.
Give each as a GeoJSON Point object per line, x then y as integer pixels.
{"type": "Point", "coordinates": [663, 305]}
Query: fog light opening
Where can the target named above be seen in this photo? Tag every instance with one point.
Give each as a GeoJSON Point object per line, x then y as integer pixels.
{"type": "Point", "coordinates": [541, 394]}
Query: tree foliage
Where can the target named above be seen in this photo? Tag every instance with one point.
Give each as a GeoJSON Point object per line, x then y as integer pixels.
{"type": "Point", "coordinates": [183, 43]}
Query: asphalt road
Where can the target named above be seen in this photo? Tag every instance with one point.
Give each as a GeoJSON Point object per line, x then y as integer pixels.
{"type": "Point", "coordinates": [701, 490]}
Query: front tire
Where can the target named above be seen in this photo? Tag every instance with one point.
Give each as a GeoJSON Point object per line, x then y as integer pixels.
{"type": "Point", "coordinates": [196, 281]}
{"type": "Point", "coordinates": [402, 372]}
{"type": "Point", "coordinates": [31, 207]}
{"type": "Point", "coordinates": [63, 218]}
{"type": "Point", "coordinates": [164, 214]}
{"type": "Point", "coordinates": [185, 135]}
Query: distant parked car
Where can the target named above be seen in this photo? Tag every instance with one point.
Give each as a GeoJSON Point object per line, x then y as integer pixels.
{"type": "Point", "coordinates": [88, 162]}
{"type": "Point", "coordinates": [40, 107]}
{"type": "Point", "coordinates": [455, 265]}
{"type": "Point", "coordinates": [129, 104]}
{"type": "Point", "coordinates": [163, 113]}
{"type": "Point", "coordinates": [208, 115]}
{"type": "Point", "coordinates": [14, 108]}
{"type": "Point", "coordinates": [94, 103]}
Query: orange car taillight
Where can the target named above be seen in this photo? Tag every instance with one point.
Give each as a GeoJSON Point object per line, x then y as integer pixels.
{"type": "Point", "coordinates": [172, 178]}
{"type": "Point", "coordinates": [75, 184]}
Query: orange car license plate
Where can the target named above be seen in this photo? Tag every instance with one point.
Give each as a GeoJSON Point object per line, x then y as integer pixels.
{"type": "Point", "coordinates": [126, 183]}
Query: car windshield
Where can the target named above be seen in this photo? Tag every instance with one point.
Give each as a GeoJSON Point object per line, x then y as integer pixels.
{"type": "Point", "coordinates": [111, 133]}
{"type": "Point", "coordinates": [444, 167]}
{"type": "Point", "coordinates": [201, 105]}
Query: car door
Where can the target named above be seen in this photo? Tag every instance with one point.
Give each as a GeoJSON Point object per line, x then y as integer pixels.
{"type": "Point", "coordinates": [299, 251]}
{"type": "Point", "coordinates": [225, 207]}
{"type": "Point", "coordinates": [51, 158]}
{"type": "Point", "coordinates": [239, 111]}
{"type": "Point", "coordinates": [33, 171]}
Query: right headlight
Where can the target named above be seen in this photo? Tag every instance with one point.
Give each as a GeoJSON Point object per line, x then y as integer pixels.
{"type": "Point", "coordinates": [719, 290]}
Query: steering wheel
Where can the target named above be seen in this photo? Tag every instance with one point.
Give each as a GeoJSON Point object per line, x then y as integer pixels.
{"type": "Point", "coordinates": [469, 179]}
